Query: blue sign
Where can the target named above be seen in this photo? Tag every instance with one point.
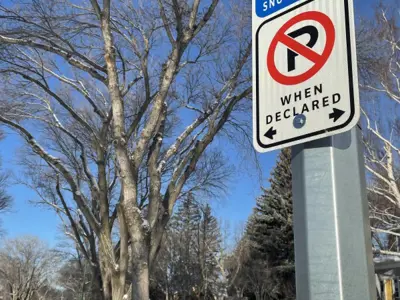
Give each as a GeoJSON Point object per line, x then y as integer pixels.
{"type": "Point", "coordinates": [266, 7]}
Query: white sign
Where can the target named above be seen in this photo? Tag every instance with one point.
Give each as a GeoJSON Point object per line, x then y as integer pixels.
{"type": "Point", "coordinates": [305, 73]}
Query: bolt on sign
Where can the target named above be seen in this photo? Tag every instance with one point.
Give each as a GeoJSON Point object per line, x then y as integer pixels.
{"type": "Point", "coordinates": [305, 84]}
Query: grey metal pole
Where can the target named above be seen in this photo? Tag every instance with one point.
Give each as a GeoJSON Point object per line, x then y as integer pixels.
{"type": "Point", "coordinates": [332, 235]}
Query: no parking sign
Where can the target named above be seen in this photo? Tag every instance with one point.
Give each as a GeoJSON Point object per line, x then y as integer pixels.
{"type": "Point", "coordinates": [305, 75]}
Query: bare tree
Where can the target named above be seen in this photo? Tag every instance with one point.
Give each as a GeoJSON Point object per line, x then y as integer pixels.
{"type": "Point", "coordinates": [233, 265]}
{"type": "Point", "coordinates": [26, 267]}
{"type": "Point", "coordinates": [5, 198]}
{"type": "Point", "coordinates": [245, 274]}
{"type": "Point", "coordinates": [121, 101]}
{"type": "Point", "coordinates": [84, 250]}
{"type": "Point", "coordinates": [75, 278]}
{"type": "Point", "coordinates": [381, 86]}
{"type": "Point", "coordinates": [260, 281]}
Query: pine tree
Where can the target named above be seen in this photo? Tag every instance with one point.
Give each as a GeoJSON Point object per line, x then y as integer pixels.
{"type": "Point", "coordinates": [270, 228]}
{"type": "Point", "coordinates": [188, 263]}
{"type": "Point", "coordinates": [182, 235]}
{"type": "Point", "coordinates": [209, 247]}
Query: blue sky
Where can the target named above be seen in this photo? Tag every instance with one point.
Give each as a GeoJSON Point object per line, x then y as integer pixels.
{"type": "Point", "coordinates": [234, 207]}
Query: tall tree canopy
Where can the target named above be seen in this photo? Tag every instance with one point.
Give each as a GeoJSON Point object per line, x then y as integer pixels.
{"type": "Point", "coordinates": [119, 102]}
{"type": "Point", "coordinates": [379, 56]}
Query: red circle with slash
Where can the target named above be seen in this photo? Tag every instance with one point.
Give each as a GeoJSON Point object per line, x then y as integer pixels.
{"type": "Point", "coordinates": [319, 60]}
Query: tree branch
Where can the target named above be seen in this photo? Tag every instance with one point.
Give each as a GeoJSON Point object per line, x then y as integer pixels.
{"type": "Point", "coordinates": [61, 52]}
{"type": "Point", "coordinates": [60, 167]}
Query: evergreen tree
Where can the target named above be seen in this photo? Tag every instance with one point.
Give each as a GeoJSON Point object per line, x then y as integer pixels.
{"type": "Point", "coordinates": [185, 267]}
{"type": "Point", "coordinates": [209, 245]}
{"type": "Point", "coordinates": [188, 262]}
{"type": "Point", "coordinates": [270, 228]}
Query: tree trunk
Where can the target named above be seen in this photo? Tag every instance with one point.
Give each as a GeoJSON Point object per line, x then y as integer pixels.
{"type": "Point", "coordinates": [95, 284]}
{"type": "Point", "coordinates": [133, 217]}
{"type": "Point", "coordinates": [140, 272]}
{"type": "Point", "coordinates": [118, 288]}
{"type": "Point", "coordinates": [113, 282]}
{"type": "Point", "coordinates": [258, 295]}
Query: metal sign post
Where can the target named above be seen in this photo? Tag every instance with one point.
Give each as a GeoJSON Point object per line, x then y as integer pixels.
{"type": "Point", "coordinates": [331, 225]}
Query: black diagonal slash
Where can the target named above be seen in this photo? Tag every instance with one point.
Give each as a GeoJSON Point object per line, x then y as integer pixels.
{"type": "Point", "coordinates": [309, 29]}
